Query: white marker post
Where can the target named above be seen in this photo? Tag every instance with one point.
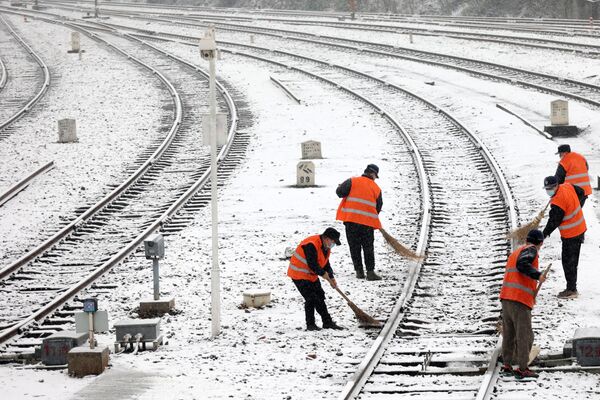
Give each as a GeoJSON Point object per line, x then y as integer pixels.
{"type": "Point", "coordinates": [208, 51]}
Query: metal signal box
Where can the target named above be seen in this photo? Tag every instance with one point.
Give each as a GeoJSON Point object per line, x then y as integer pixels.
{"type": "Point", "coordinates": [56, 346]}
{"type": "Point", "coordinates": [154, 246]}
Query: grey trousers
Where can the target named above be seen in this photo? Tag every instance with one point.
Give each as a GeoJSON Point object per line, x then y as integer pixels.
{"type": "Point", "coordinates": [517, 333]}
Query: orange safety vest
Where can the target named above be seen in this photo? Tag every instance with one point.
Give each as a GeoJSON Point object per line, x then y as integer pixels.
{"type": "Point", "coordinates": [517, 286]}
{"type": "Point", "coordinates": [576, 171]}
{"type": "Point", "coordinates": [298, 268]}
{"type": "Point", "coordinates": [360, 206]}
{"type": "Point", "coordinates": [573, 223]}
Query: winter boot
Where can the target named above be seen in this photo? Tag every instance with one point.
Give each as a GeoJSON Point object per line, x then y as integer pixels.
{"type": "Point", "coordinates": [507, 369]}
{"type": "Point", "coordinates": [568, 294]}
{"type": "Point", "coordinates": [525, 373]}
{"type": "Point", "coordinates": [332, 325]}
{"type": "Point", "coordinates": [312, 327]}
{"type": "Point", "coordinates": [372, 276]}
{"type": "Point", "coordinates": [360, 273]}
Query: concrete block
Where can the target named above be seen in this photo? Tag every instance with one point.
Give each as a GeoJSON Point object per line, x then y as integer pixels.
{"type": "Point", "coordinates": [85, 361]}
{"type": "Point", "coordinates": [148, 328]}
{"type": "Point", "coordinates": [56, 347]}
{"type": "Point", "coordinates": [562, 130]}
{"type": "Point", "coordinates": [156, 308]}
{"type": "Point", "coordinates": [257, 298]}
{"type": "Point", "coordinates": [586, 346]}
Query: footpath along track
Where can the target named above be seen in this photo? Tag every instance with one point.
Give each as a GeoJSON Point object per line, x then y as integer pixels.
{"type": "Point", "coordinates": [581, 91]}
{"type": "Point", "coordinates": [178, 177]}
{"type": "Point", "coordinates": [25, 79]}
{"type": "Point", "coordinates": [465, 193]}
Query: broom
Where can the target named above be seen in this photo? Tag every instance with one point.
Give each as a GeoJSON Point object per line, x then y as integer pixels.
{"type": "Point", "coordinates": [520, 234]}
{"type": "Point", "coordinates": [362, 316]}
{"type": "Point", "coordinates": [399, 248]}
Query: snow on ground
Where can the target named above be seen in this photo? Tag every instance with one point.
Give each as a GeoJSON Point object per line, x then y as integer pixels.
{"type": "Point", "coordinates": [118, 111]}
{"type": "Point", "coordinates": [266, 353]}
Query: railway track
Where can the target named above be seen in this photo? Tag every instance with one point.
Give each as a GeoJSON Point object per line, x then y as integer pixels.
{"type": "Point", "coordinates": [581, 91]}
{"type": "Point", "coordinates": [479, 195]}
{"type": "Point", "coordinates": [177, 178]}
{"type": "Point", "coordinates": [438, 346]}
{"type": "Point", "coordinates": [25, 79]}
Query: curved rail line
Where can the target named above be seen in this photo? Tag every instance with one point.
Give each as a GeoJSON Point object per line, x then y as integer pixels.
{"type": "Point", "coordinates": [163, 218]}
{"type": "Point", "coordinates": [587, 50]}
{"type": "Point", "coordinates": [40, 92]}
{"type": "Point", "coordinates": [4, 76]}
{"type": "Point", "coordinates": [368, 16]}
{"type": "Point", "coordinates": [546, 83]}
{"type": "Point", "coordinates": [399, 310]}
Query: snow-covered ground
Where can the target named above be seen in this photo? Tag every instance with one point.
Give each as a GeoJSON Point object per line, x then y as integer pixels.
{"type": "Point", "coordinates": [265, 353]}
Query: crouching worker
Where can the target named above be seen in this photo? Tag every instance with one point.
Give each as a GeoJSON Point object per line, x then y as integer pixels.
{"type": "Point", "coordinates": [518, 297]}
{"type": "Point", "coordinates": [309, 261]}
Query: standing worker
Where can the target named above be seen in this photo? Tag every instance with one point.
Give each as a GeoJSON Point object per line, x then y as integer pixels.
{"type": "Point", "coordinates": [566, 215]}
{"type": "Point", "coordinates": [573, 168]}
{"type": "Point", "coordinates": [518, 297]}
{"type": "Point", "coordinates": [309, 261]}
{"type": "Point", "coordinates": [359, 210]}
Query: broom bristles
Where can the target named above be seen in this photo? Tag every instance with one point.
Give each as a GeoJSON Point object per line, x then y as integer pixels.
{"type": "Point", "coordinates": [520, 234]}
{"type": "Point", "coordinates": [399, 248]}
{"type": "Point", "coordinates": [363, 316]}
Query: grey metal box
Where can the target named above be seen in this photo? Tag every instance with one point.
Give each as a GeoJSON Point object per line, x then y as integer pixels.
{"type": "Point", "coordinates": [154, 246]}
{"type": "Point", "coordinates": [586, 346]}
{"type": "Point", "coordinates": [149, 328]}
{"type": "Point", "coordinates": [56, 346]}
{"type": "Point", "coordinates": [82, 321]}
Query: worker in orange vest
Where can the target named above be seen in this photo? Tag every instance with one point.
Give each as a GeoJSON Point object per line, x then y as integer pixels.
{"type": "Point", "coordinates": [309, 261]}
{"type": "Point", "coordinates": [573, 168]}
{"type": "Point", "coordinates": [566, 215]}
{"type": "Point", "coordinates": [359, 210]}
{"type": "Point", "coordinates": [518, 297]}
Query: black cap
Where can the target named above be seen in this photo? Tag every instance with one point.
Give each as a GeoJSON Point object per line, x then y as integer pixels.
{"type": "Point", "coordinates": [550, 182]}
{"type": "Point", "coordinates": [332, 234]}
{"type": "Point", "coordinates": [535, 236]}
{"type": "Point", "coordinates": [564, 148]}
{"type": "Point", "coordinates": [372, 168]}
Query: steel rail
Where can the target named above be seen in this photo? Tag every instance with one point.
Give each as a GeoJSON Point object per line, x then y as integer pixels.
{"type": "Point", "coordinates": [164, 218]}
{"type": "Point", "coordinates": [12, 191]}
{"type": "Point", "coordinates": [580, 48]}
{"type": "Point", "coordinates": [286, 90]}
{"type": "Point", "coordinates": [354, 386]}
{"type": "Point", "coordinates": [114, 194]}
{"type": "Point", "coordinates": [42, 65]}
{"type": "Point", "coordinates": [354, 47]}
{"type": "Point", "coordinates": [4, 76]}
{"type": "Point", "coordinates": [586, 49]}
{"type": "Point", "coordinates": [410, 18]}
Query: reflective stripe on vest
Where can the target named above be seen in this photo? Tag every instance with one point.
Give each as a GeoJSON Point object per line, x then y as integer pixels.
{"type": "Point", "coordinates": [360, 206]}
{"type": "Point", "coordinates": [517, 286]}
{"type": "Point", "coordinates": [573, 223]}
{"type": "Point", "coordinates": [298, 268]}
{"type": "Point", "coordinates": [576, 170]}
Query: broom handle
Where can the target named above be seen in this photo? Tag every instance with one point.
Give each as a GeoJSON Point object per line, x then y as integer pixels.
{"type": "Point", "coordinates": [539, 286]}
{"type": "Point", "coordinates": [343, 295]}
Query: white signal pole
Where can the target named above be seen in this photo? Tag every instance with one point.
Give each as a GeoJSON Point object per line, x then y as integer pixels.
{"type": "Point", "coordinates": [208, 51]}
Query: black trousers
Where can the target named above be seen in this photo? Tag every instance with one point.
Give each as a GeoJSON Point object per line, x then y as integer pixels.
{"type": "Point", "coordinates": [360, 239]}
{"type": "Point", "coordinates": [570, 259]}
{"type": "Point", "coordinates": [314, 299]}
